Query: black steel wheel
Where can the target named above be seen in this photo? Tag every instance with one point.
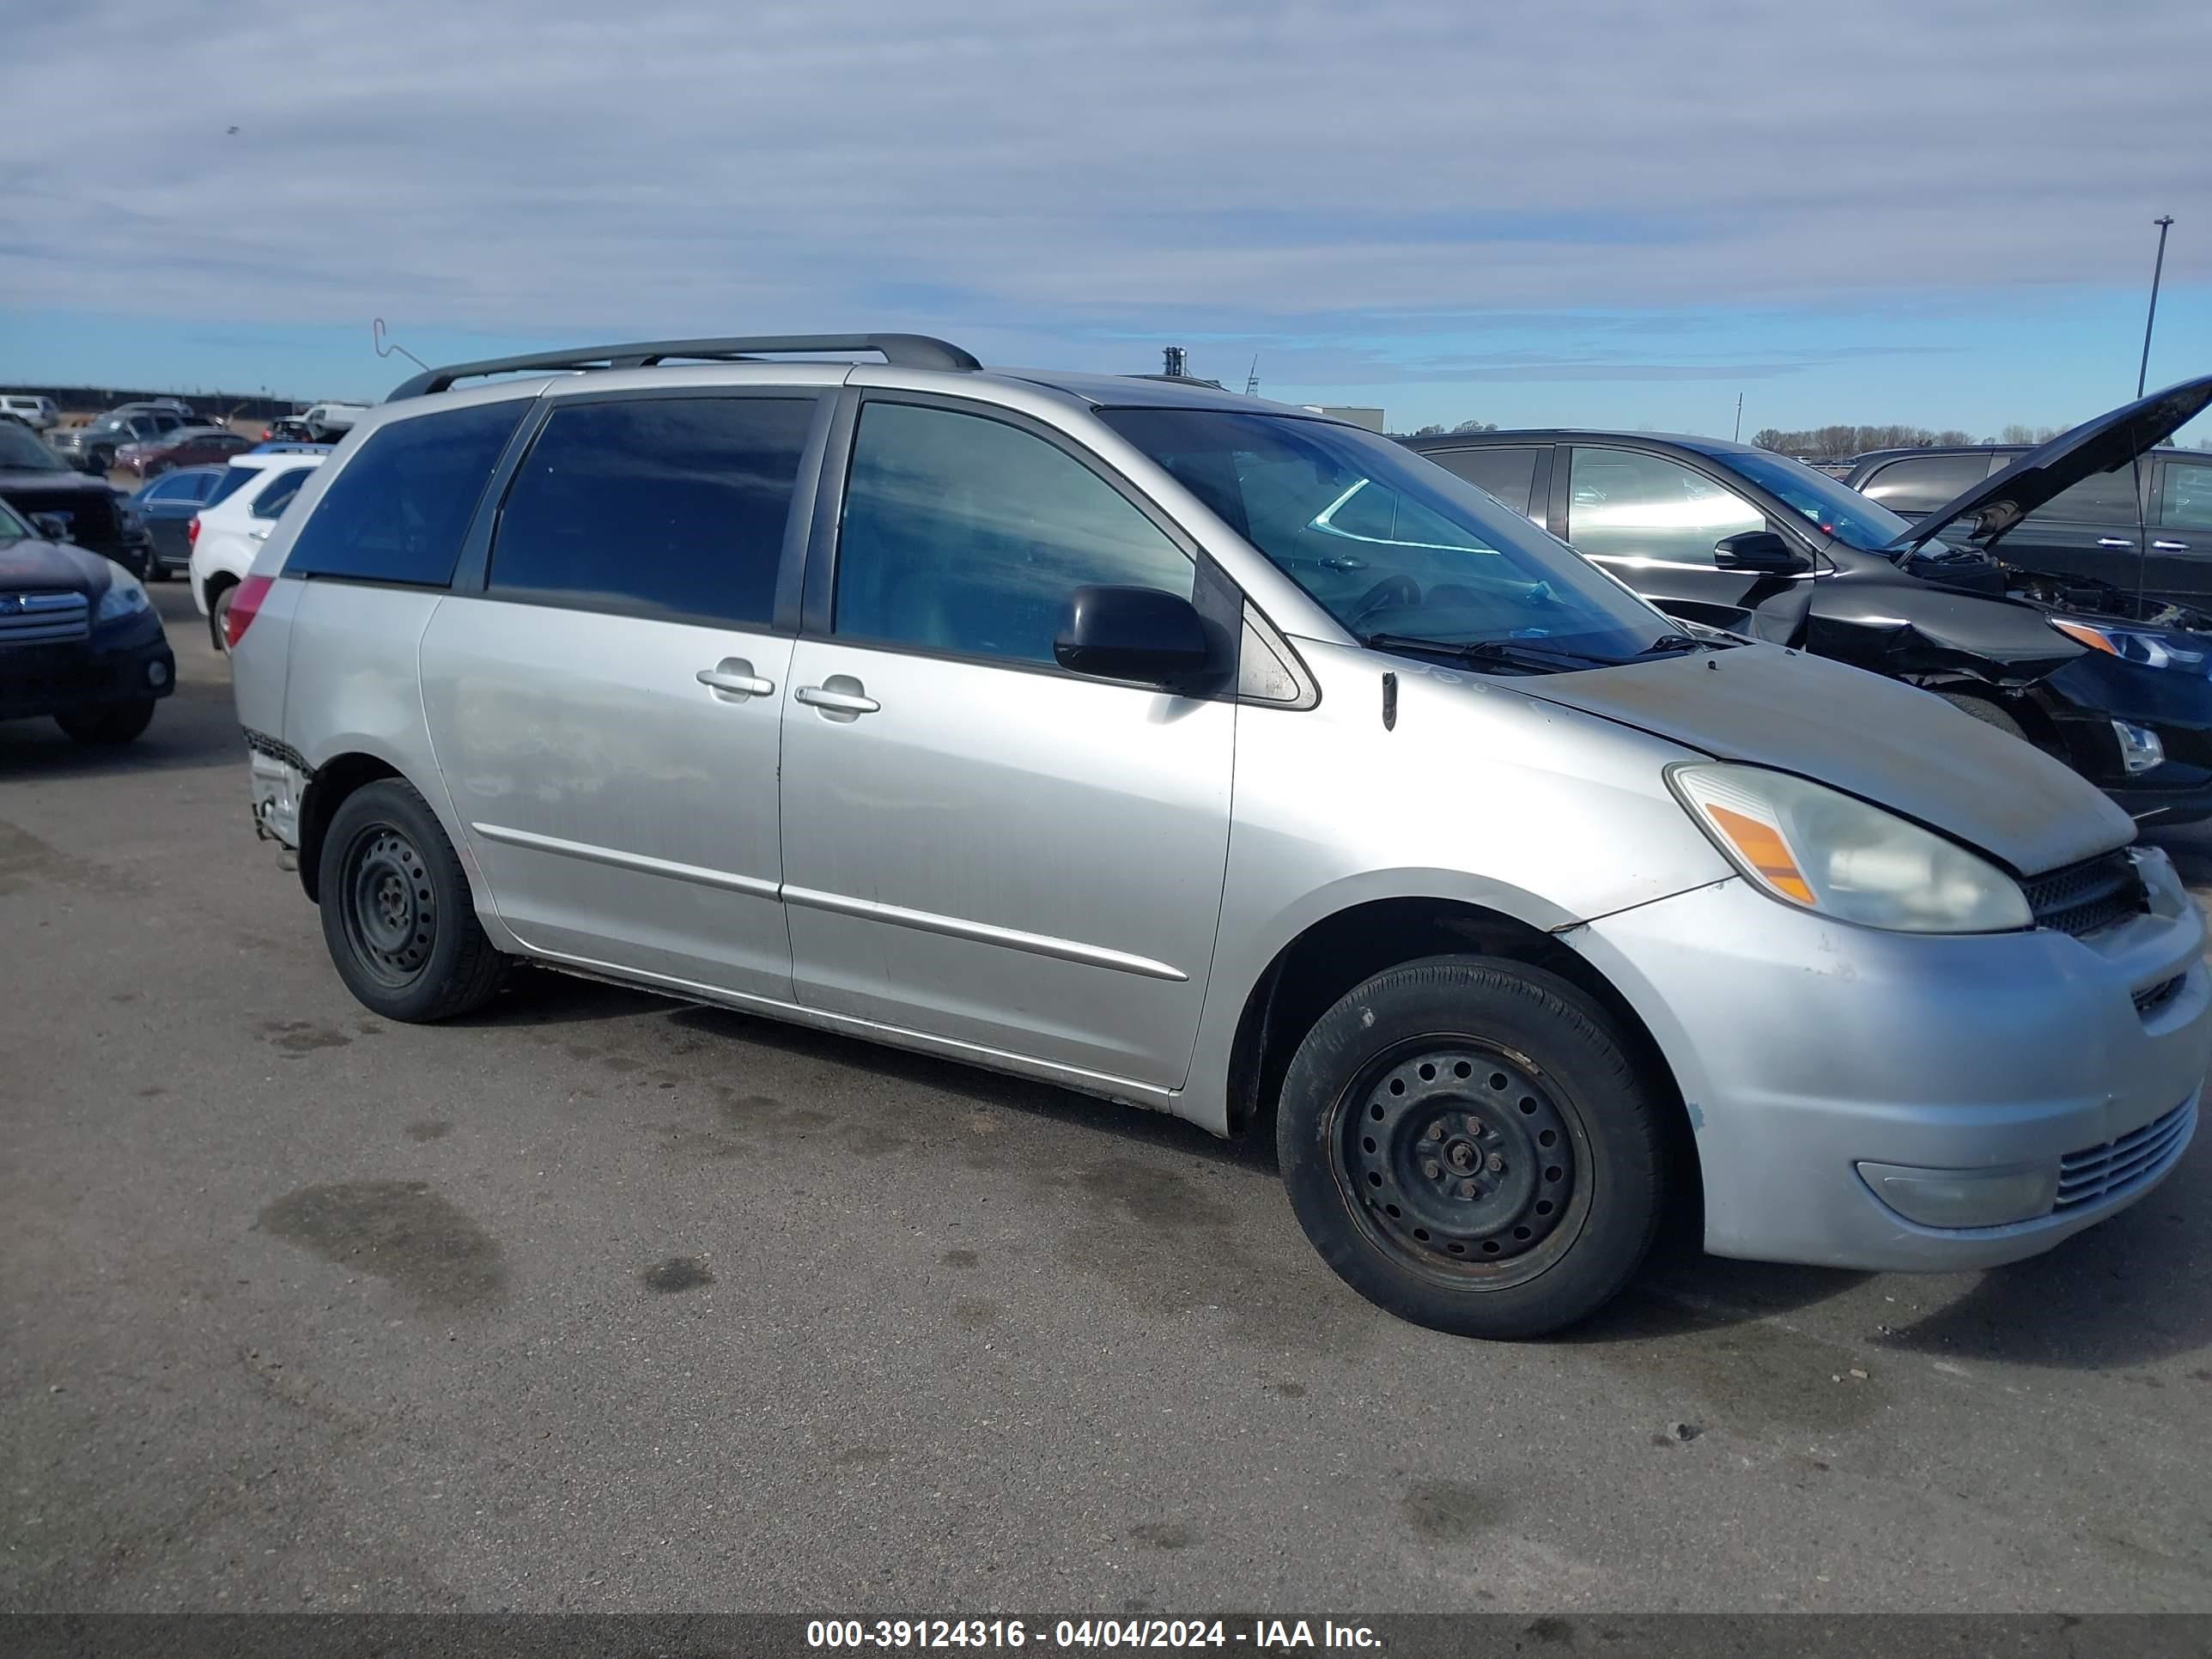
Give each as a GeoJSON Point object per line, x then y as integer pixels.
{"type": "Point", "coordinates": [1468, 1143]}
{"type": "Point", "coordinates": [387, 906]}
{"type": "Point", "coordinates": [1460, 1159]}
{"type": "Point", "coordinates": [398, 914]}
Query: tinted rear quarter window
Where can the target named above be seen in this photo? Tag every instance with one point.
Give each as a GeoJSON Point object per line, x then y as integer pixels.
{"type": "Point", "coordinates": [1920, 484]}
{"type": "Point", "coordinates": [399, 510]}
{"type": "Point", "coordinates": [276, 495]}
{"type": "Point", "coordinates": [1508, 473]}
{"type": "Point", "coordinates": [671, 508]}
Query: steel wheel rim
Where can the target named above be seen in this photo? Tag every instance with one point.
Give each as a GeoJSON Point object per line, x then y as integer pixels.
{"type": "Point", "coordinates": [1462, 1160]}
{"type": "Point", "coordinates": [387, 905]}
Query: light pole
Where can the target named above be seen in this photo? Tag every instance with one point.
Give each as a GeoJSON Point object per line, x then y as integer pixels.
{"type": "Point", "coordinates": [2164, 224]}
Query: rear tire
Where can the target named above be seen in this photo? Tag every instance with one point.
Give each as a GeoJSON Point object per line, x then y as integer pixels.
{"type": "Point", "coordinates": [398, 915]}
{"type": "Point", "coordinates": [1466, 1143]}
{"type": "Point", "coordinates": [219, 617]}
{"type": "Point", "coordinates": [110, 723]}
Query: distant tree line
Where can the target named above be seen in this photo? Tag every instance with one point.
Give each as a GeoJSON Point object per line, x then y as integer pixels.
{"type": "Point", "coordinates": [1437, 428]}
{"type": "Point", "coordinates": [1836, 443]}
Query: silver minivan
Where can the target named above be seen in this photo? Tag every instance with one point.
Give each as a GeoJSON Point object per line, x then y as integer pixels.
{"type": "Point", "coordinates": [1224, 760]}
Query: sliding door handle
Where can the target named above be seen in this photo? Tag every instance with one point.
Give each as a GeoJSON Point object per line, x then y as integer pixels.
{"type": "Point", "coordinates": [2169, 547]}
{"type": "Point", "coordinates": [2114, 541]}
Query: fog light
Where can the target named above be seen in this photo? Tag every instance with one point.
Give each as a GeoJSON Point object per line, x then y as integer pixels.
{"type": "Point", "coordinates": [1965, 1198]}
{"type": "Point", "coordinates": [157, 673]}
{"type": "Point", "coordinates": [2140, 749]}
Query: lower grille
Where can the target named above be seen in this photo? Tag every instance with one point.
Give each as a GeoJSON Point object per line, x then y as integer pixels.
{"type": "Point", "coordinates": [2137, 1158]}
{"type": "Point", "coordinates": [2083, 898]}
{"type": "Point", "coordinates": [43, 618]}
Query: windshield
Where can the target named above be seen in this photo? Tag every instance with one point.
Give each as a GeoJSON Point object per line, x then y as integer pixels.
{"type": "Point", "coordinates": [1388, 543]}
{"type": "Point", "coordinates": [13, 529]}
{"type": "Point", "coordinates": [25, 452]}
{"type": "Point", "coordinates": [1836, 509]}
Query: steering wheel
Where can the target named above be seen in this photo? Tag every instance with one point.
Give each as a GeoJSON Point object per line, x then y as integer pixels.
{"type": "Point", "coordinates": [1398, 589]}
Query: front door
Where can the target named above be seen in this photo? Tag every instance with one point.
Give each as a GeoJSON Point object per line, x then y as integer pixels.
{"type": "Point", "coordinates": [2180, 553]}
{"type": "Point", "coordinates": [606, 710]}
{"type": "Point", "coordinates": [979, 846]}
{"type": "Point", "coordinates": [1655, 522]}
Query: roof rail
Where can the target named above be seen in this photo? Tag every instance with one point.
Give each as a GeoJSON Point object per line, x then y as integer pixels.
{"type": "Point", "coordinates": [906, 350]}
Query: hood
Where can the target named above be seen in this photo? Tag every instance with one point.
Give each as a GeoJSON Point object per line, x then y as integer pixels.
{"type": "Point", "coordinates": [63, 478]}
{"type": "Point", "coordinates": [27, 566]}
{"type": "Point", "coordinates": [2105, 444]}
{"type": "Point", "coordinates": [1889, 743]}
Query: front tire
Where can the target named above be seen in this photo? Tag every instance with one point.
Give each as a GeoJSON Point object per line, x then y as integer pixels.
{"type": "Point", "coordinates": [398, 915]}
{"type": "Point", "coordinates": [1468, 1143]}
{"type": "Point", "coordinates": [110, 723]}
{"type": "Point", "coordinates": [1990, 713]}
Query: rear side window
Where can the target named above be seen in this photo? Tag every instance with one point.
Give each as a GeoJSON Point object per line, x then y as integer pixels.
{"type": "Point", "coordinates": [1922, 483]}
{"type": "Point", "coordinates": [399, 510]}
{"type": "Point", "coordinates": [2100, 498]}
{"type": "Point", "coordinates": [277, 493]}
{"type": "Point", "coordinates": [234, 479]}
{"type": "Point", "coordinates": [1510, 474]}
{"type": "Point", "coordinates": [672, 508]}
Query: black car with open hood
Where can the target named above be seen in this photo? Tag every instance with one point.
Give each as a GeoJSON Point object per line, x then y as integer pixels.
{"type": "Point", "coordinates": [79, 640]}
{"type": "Point", "coordinates": [1733, 537]}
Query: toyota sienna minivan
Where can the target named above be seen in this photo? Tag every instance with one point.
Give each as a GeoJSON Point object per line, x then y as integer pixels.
{"type": "Point", "coordinates": [1221, 759]}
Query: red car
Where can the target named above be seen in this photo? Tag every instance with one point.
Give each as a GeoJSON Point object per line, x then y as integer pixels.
{"type": "Point", "coordinates": [191, 446]}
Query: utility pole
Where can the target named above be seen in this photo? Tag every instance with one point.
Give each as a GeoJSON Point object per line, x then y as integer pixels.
{"type": "Point", "coordinates": [2164, 224]}
{"type": "Point", "coordinates": [1739, 417]}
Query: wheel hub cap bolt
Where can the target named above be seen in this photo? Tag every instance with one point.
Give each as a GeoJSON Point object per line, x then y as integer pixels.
{"type": "Point", "coordinates": [1496, 1163]}
{"type": "Point", "coordinates": [1432, 1170]}
{"type": "Point", "coordinates": [1466, 1189]}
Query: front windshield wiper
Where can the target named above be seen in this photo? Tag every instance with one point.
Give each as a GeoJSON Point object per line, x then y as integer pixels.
{"type": "Point", "coordinates": [1513, 653]}
{"type": "Point", "coordinates": [1668, 644]}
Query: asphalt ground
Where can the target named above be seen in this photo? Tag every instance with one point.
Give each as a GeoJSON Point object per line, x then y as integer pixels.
{"type": "Point", "coordinates": [601, 1302]}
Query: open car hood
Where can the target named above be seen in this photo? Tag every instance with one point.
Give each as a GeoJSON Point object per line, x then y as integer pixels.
{"type": "Point", "coordinates": [1900, 748]}
{"type": "Point", "coordinates": [2105, 444]}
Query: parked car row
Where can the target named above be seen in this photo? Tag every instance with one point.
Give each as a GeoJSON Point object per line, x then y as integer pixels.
{"type": "Point", "coordinates": [2013, 625]}
{"type": "Point", "coordinates": [1230, 759]}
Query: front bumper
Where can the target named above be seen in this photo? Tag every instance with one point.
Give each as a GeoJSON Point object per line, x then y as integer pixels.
{"type": "Point", "coordinates": [60, 679]}
{"type": "Point", "coordinates": [2085, 695]}
{"type": "Point", "coordinates": [1804, 1048]}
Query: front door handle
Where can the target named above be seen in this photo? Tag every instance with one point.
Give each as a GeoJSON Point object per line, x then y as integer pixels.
{"type": "Point", "coordinates": [2169, 547]}
{"type": "Point", "coordinates": [2114, 541]}
{"type": "Point", "coordinates": [733, 676]}
{"type": "Point", "coordinates": [835, 699]}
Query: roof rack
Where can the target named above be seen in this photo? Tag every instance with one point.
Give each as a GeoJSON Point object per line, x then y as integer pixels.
{"type": "Point", "coordinates": [906, 350]}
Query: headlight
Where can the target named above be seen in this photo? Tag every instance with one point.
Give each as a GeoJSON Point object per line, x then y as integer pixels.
{"type": "Point", "coordinates": [1822, 850]}
{"type": "Point", "coordinates": [2154, 649]}
{"type": "Point", "coordinates": [124, 598]}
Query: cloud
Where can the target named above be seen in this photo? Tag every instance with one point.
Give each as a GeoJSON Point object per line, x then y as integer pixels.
{"type": "Point", "coordinates": [1318, 171]}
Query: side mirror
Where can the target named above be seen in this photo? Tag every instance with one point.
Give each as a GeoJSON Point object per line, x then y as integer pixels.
{"type": "Point", "coordinates": [54, 527]}
{"type": "Point", "coordinates": [1138, 634]}
{"type": "Point", "coordinates": [1761, 551]}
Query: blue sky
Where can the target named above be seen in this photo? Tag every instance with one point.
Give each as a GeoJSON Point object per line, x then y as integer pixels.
{"type": "Point", "coordinates": [1583, 212]}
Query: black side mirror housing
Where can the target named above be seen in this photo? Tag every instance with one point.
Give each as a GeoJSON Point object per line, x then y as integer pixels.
{"type": "Point", "coordinates": [1761, 551]}
{"type": "Point", "coordinates": [1139, 634]}
{"type": "Point", "coordinates": [54, 527]}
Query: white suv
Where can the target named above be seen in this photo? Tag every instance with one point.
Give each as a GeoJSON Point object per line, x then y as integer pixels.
{"type": "Point", "coordinates": [36, 413]}
{"type": "Point", "coordinates": [229, 530]}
